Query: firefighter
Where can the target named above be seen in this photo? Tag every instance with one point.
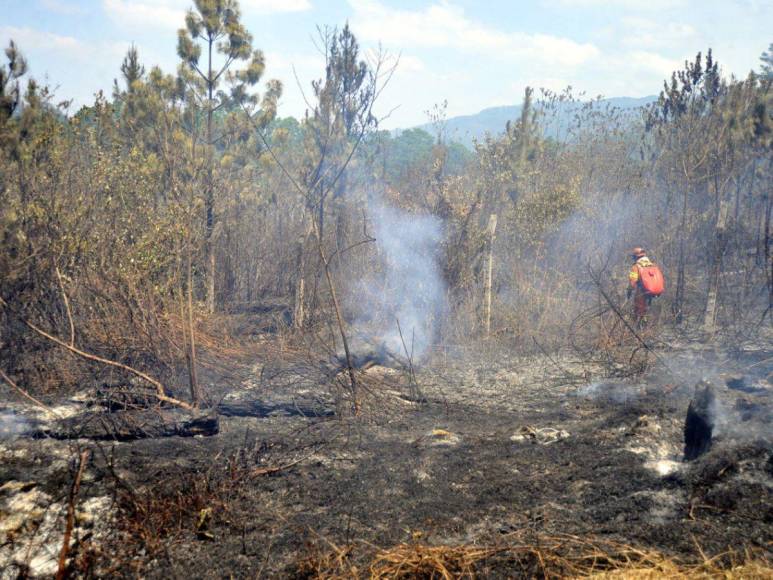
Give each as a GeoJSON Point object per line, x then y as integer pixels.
{"type": "Point", "coordinates": [645, 282]}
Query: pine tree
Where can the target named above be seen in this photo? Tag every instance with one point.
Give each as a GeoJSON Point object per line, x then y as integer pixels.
{"type": "Point", "coordinates": [214, 28]}
{"type": "Point", "coordinates": [342, 114]}
{"type": "Point", "coordinates": [10, 92]}
{"type": "Point", "coordinates": [766, 58]}
{"type": "Point", "coordinates": [131, 69]}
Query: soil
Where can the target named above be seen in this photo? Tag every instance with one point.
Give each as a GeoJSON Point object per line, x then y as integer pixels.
{"type": "Point", "coordinates": [497, 445]}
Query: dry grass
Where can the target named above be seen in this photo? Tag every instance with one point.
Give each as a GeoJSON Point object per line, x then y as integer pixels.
{"type": "Point", "coordinates": [422, 561]}
{"type": "Point", "coordinates": [541, 557]}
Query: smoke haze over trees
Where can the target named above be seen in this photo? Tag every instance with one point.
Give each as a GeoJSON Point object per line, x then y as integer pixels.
{"type": "Point", "coordinates": [134, 224]}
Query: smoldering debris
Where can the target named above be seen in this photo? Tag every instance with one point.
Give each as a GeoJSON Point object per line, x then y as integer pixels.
{"type": "Point", "coordinates": [745, 385]}
{"type": "Point", "coordinates": [540, 435]}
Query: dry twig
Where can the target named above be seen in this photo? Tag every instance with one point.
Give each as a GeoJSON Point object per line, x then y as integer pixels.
{"type": "Point", "coordinates": [24, 393]}
{"type": "Point", "coordinates": [74, 489]}
{"type": "Point", "coordinates": [160, 393]}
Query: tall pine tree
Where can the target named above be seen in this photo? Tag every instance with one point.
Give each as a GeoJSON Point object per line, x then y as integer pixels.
{"type": "Point", "coordinates": [214, 28]}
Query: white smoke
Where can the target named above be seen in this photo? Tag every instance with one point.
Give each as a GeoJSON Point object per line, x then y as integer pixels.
{"type": "Point", "coordinates": [11, 424]}
{"type": "Point", "coordinates": [731, 422]}
{"type": "Point", "coordinates": [610, 392]}
{"type": "Point", "coordinates": [407, 288]}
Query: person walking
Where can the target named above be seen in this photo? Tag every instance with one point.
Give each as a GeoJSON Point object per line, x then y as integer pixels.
{"type": "Point", "coordinates": [645, 283]}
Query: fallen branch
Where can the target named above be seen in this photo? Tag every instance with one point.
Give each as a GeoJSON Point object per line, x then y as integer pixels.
{"type": "Point", "coordinates": [258, 471]}
{"type": "Point", "coordinates": [24, 393]}
{"type": "Point", "coordinates": [160, 391]}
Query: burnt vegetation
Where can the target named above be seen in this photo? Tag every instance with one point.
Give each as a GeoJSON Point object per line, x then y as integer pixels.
{"type": "Point", "coordinates": [313, 347]}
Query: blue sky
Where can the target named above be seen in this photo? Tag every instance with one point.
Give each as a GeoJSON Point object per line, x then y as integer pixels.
{"type": "Point", "coordinates": [475, 54]}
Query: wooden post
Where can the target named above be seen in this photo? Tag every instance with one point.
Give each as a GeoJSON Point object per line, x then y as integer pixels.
{"type": "Point", "coordinates": [492, 227]}
{"type": "Point", "coordinates": [193, 380]}
{"type": "Point", "coordinates": [300, 288]}
{"type": "Point", "coordinates": [299, 313]}
{"type": "Point", "coordinates": [710, 316]}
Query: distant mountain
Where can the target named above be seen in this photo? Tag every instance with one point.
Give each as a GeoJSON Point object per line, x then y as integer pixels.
{"type": "Point", "coordinates": [465, 128]}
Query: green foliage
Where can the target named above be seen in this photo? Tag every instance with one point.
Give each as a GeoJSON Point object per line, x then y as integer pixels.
{"type": "Point", "coordinates": [131, 69]}
{"type": "Point", "coordinates": [214, 26]}
{"type": "Point", "coordinates": [344, 96]}
{"type": "Point", "coordinates": [10, 91]}
{"type": "Point", "coordinates": [411, 151]}
{"type": "Point", "coordinates": [692, 90]}
{"type": "Point", "coordinates": [766, 63]}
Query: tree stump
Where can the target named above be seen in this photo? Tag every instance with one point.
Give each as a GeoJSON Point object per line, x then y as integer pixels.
{"type": "Point", "coordinates": [699, 423]}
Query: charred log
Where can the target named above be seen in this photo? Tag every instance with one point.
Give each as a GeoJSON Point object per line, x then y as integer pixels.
{"type": "Point", "coordinates": [699, 423]}
{"type": "Point", "coordinates": [131, 425]}
{"type": "Point", "coordinates": [262, 409]}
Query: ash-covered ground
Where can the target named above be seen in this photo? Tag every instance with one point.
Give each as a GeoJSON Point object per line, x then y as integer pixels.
{"type": "Point", "coordinates": [496, 445]}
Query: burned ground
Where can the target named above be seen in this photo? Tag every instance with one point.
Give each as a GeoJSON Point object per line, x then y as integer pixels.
{"type": "Point", "coordinates": [499, 449]}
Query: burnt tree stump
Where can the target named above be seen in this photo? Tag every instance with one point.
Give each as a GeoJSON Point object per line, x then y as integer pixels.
{"type": "Point", "coordinates": [699, 422]}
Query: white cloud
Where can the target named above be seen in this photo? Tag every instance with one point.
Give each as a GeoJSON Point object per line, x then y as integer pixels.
{"type": "Point", "coordinates": [168, 14]}
{"type": "Point", "coordinates": [61, 7]}
{"type": "Point", "coordinates": [66, 49]}
{"type": "Point", "coordinates": [631, 73]}
{"type": "Point", "coordinates": [275, 6]}
{"type": "Point", "coordinates": [38, 40]}
{"type": "Point", "coordinates": [410, 64]}
{"type": "Point", "coordinates": [443, 25]}
{"type": "Point", "coordinates": [644, 33]}
{"type": "Point", "coordinates": [654, 62]}
{"type": "Point", "coordinates": [642, 5]}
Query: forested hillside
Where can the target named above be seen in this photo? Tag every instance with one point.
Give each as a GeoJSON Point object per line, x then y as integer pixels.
{"type": "Point", "coordinates": [468, 128]}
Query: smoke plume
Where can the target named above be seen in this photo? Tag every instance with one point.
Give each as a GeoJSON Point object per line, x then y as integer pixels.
{"type": "Point", "coordinates": [407, 288]}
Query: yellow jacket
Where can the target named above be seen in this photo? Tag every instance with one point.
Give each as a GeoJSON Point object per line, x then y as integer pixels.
{"type": "Point", "coordinates": [633, 275]}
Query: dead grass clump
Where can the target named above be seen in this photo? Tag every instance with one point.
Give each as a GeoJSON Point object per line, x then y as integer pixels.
{"type": "Point", "coordinates": [333, 563]}
{"type": "Point", "coordinates": [422, 561]}
{"type": "Point", "coordinates": [542, 557]}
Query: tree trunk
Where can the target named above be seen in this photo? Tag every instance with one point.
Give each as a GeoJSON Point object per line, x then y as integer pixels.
{"type": "Point", "coordinates": [678, 304]}
{"type": "Point", "coordinates": [191, 350]}
{"type": "Point", "coordinates": [209, 199]}
{"type": "Point", "coordinates": [340, 320]}
{"type": "Point", "coordinates": [299, 312]}
{"type": "Point", "coordinates": [710, 316]}
{"type": "Point", "coordinates": [492, 227]}
{"type": "Point", "coordinates": [767, 245]}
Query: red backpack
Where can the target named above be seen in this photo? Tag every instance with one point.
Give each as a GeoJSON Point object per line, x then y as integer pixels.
{"type": "Point", "coordinates": [652, 281]}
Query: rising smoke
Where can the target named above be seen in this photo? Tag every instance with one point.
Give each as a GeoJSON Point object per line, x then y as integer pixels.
{"type": "Point", "coordinates": [407, 287]}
